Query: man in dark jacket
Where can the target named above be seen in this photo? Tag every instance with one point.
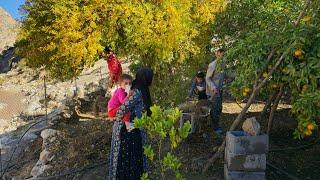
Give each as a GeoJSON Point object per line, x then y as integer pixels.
{"type": "Point", "coordinates": [198, 87]}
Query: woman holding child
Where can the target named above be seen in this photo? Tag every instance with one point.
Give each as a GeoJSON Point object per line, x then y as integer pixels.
{"type": "Point", "coordinates": [126, 157]}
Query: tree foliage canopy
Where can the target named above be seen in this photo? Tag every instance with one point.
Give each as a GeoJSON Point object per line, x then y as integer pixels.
{"type": "Point", "coordinates": [251, 29]}
{"type": "Point", "coordinates": [67, 35]}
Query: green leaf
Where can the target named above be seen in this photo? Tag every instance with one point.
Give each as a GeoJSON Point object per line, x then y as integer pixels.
{"type": "Point", "coordinates": [178, 176]}
{"type": "Point", "coordinates": [185, 130]}
{"type": "Point", "coordinates": [148, 151]}
{"type": "Point", "coordinates": [171, 161]}
{"type": "Point", "coordinates": [145, 176]}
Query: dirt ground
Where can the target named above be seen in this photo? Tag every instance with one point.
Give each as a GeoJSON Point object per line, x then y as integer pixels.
{"type": "Point", "coordinates": [10, 105]}
{"type": "Point", "coordinates": [84, 150]}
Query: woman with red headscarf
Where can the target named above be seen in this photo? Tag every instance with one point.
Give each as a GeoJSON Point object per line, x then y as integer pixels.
{"type": "Point", "coordinates": [114, 66]}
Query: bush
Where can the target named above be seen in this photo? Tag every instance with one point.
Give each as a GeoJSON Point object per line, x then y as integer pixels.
{"type": "Point", "coordinates": [161, 127]}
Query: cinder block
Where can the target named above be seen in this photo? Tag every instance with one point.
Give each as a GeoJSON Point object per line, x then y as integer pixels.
{"type": "Point", "coordinates": [254, 162]}
{"type": "Point", "coordinates": [238, 175]}
{"type": "Point", "coordinates": [241, 143]}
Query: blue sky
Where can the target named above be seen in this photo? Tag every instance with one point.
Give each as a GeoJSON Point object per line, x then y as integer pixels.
{"type": "Point", "coordinates": [12, 7]}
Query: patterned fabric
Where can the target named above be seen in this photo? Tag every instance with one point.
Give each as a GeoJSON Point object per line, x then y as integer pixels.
{"type": "Point", "coordinates": [128, 147]}
{"type": "Point", "coordinates": [130, 159]}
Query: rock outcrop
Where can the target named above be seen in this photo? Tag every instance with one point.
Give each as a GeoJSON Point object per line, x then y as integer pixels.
{"type": "Point", "coordinates": [8, 60]}
{"type": "Point", "coordinates": [49, 137]}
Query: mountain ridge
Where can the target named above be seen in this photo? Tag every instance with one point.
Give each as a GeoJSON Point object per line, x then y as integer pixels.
{"type": "Point", "coordinates": [9, 28]}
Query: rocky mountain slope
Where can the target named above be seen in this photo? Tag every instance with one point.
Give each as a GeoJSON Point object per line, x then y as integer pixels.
{"type": "Point", "coordinates": [76, 111]}
{"type": "Point", "coordinates": [9, 28]}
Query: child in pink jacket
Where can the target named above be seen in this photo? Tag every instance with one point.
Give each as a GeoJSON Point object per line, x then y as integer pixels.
{"type": "Point", "coordinates": [119, 97]}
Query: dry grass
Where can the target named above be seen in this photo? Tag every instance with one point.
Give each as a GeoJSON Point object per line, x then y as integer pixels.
{"type": "Point", "coordinates": [2, 80]}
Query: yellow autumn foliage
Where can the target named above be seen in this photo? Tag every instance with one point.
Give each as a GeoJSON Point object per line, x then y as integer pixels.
{"type": "Point", "coordinates": [67, 35]}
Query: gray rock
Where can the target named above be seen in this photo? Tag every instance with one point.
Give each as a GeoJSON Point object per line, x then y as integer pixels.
{"type": "Point", "coordinates": [30, 136]}
{"type": "Point", "coordinates": [47, 134]}
{"type": "Point", "coordinates": [55, 116]}
{"type": "Point", "coordinates": [39, 169]}
{"type": "Point", "coordinates": [251, 126]}
{"type": "Point", "coordinates": [34, 108]}
{"type": "Point", "coordinates": [46, 156]}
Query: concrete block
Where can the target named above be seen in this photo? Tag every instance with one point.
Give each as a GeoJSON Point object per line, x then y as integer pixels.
{"type": "Point", "coordinates": [239, 175]}
{"type": "Point", "coordinates": [184, 117]}
{"type": "Point", "coordinates": [254, 162]}
{"type": "Point", "coordinates": [241, 143]}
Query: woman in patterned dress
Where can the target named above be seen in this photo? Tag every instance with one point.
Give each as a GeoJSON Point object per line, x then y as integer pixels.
{"type": "Point", "coordinates": [127, 161]}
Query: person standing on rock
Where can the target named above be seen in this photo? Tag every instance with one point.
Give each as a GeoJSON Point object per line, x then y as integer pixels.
{"type": "Point", "coordinates": [214, 80]}
{"type": "Point", "coordinates": [127, 160]}
{"type": "Point", "coordinates": [114, 66]}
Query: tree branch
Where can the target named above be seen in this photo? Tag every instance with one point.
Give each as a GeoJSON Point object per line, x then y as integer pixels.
{"type": "Point", "coordinates": [268, 104]}
{"type": "Point", "coordinates": [274, 109]}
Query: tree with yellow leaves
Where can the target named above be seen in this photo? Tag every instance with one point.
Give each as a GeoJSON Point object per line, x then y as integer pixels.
{"type": "Point", "coordinates": [169, 36]}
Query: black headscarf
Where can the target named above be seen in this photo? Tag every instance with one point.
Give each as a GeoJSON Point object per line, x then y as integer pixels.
{"type": "Point", "coordinates": [142, 82]}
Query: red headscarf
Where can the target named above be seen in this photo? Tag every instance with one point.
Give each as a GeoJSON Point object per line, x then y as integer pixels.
{"type": "Point", "coordinates": [114, 67]}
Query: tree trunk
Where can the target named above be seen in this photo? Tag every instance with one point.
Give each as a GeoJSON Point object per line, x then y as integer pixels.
{"type": "Point", "coordinates": [268, 104]}
{"type": "Point", "coordinates": [274, 109]}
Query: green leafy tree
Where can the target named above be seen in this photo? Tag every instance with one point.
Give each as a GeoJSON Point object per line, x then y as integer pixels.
{"type": "Point", "coordinates": [161, 127]}
{"type": "Point", "coordinates": [258, 34]}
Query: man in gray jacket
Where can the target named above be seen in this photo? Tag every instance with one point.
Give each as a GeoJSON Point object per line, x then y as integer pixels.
{"type": "Point", "coordinates": [214, 80]}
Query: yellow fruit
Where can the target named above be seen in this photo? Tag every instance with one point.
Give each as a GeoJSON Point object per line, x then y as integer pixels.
{"type": "Point", "coordinates": [306, 18]}
{"type": "Point", "coordinates": [311, 127]}
{"type": "Point", "coordinates": [308, 133]}
{"type": "Point", "coordinates": [265, 75]}
{"type": "Point", "coordinates": [247, 90]}
{"type": "Point", "coordinates": [305, 88]}
{"type": "Point", "coordinates": [274, 86]}
{"type": "Point", "coordinates": [244, 94]}
{"type": "Point", "coordinates": [298, 53]}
